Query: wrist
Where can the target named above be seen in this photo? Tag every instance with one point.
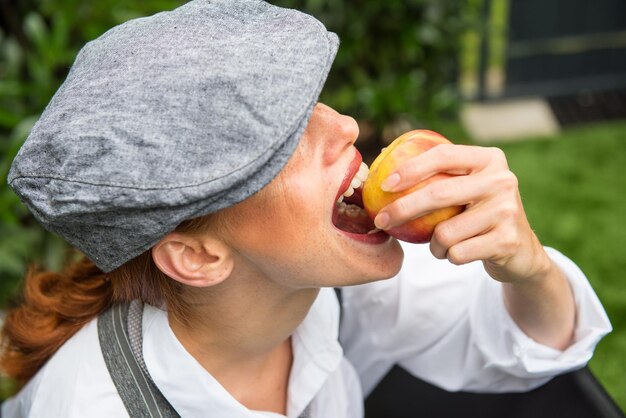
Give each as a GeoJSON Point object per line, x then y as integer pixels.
{"type": "Point", "coordinates": [543, 305]}
{"type": "Point", "coordinates": [544, 277]}
{"type": "Point", "coordinates": [542, 268]}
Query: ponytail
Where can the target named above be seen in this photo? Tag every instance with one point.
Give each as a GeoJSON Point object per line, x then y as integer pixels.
{"type": "Point", "coordinates": [56, 306]}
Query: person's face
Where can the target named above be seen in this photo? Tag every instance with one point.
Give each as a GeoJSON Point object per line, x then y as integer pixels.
{"type": "Point", "coordinates": [291, 231]}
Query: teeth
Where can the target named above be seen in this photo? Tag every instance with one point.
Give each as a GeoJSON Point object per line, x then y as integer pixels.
{"type": "Point", "coordinates": [373, 231]}
{"type": "Point", "coordinates": [363, 172]}
{"type": "Point", "coordinates": [356, 182]}
{"type": "Point", "coordinates": [351, 211]}
{"type": "Point", "coordinates": [341, 208]}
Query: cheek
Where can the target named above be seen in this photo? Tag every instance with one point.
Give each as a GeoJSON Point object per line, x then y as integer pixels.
{"type": "Point", "coordinates": [280, 230]}
{"type": "Point", "coordinates": [275, 221]}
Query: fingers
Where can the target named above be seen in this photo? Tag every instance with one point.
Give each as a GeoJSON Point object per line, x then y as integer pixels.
{"type": "Point", "coordinates": [494, 242]}
{"type": "Point", "coordinates": [457, 229]}
{"type": "Point", "coordinates": [447, 192]}
{"type": "Point", "coordinates": [444, 158]}
{"type": "Point", "coordinates": [491, 231]}
{"type": "Point", "coordinates": [494, 246]}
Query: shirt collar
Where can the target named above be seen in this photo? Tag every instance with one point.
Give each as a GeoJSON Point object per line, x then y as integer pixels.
{"type": "Point", "coordinates": [193, 392]}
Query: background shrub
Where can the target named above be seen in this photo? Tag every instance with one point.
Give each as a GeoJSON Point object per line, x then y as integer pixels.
{"type": "Point", "coordinates": [395, 68]}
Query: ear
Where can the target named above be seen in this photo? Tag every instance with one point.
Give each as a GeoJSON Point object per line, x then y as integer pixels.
{"type": "Point", "coordinates": [194, 261]}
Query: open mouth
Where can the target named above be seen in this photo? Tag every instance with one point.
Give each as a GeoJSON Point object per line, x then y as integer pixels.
{"type": "Point", "coordinates": [348, 214]}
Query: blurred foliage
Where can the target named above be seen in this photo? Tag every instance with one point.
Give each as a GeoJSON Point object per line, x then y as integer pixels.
{"type": "Point", "coordinates": [38, 42]}
{"type": "Point", "coordinates": [396, 61]}
{"type": "Point", "coordinates": [398, 58]}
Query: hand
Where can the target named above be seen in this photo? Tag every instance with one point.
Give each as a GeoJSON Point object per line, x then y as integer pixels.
{"type": "Point", "coordinates": [493, 228]}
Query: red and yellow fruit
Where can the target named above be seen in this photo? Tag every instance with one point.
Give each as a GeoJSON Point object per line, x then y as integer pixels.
{"type": "Point", "coordinates": [407, 146]}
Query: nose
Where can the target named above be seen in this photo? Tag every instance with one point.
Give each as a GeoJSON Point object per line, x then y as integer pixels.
{"type": "Point", "coordinates": [343, 132]}
{"type": "Point", "coordinates": [349, 129]}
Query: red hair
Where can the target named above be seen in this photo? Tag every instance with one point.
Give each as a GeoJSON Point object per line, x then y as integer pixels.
{"type": "Point", "coordinates": [56, 305]}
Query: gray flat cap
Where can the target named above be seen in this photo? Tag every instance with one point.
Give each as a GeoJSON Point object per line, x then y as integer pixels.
{"type": "Point", "coordinates": [171, 117]}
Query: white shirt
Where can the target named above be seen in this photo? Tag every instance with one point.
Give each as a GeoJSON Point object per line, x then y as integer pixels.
{"type": "Point", "coordinates": [443, 323]}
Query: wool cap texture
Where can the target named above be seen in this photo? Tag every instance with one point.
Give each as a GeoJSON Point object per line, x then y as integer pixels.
{"type": "Point", "coordinates": [171, 117]}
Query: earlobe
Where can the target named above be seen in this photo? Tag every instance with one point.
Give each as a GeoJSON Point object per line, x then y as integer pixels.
{"type": "Point", "coordinates": [191, 261]}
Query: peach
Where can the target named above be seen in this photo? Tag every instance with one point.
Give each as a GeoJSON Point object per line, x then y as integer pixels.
{"type": "Point", "coordinates": [407, 146]}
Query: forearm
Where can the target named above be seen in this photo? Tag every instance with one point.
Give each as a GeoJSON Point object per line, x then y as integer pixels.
{"type": "Point", "coordinates": [543, 306]}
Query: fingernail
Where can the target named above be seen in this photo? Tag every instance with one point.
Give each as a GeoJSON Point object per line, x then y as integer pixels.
{"type": "Point", "coordinates": [381, 221]}
{"type": "Point", "coordinates": [389, 182]}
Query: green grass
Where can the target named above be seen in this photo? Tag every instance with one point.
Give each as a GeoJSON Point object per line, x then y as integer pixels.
{"type": "Point", "coordinates": [574, 192]}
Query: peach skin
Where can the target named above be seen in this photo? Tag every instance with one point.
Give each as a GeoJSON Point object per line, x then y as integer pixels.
{"type": "Point", "coordinates": [406, 146]}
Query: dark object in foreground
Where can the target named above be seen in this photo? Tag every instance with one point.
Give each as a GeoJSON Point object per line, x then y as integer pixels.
{"type": "Point", "coordinates": [574, 395]}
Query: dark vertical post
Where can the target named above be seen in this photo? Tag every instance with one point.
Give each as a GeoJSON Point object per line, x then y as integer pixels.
{"type": "Point", "coordinates": [483, 61]}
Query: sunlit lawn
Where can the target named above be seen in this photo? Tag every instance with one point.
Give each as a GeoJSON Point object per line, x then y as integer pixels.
{"type": "Point", "coordinates": [574, 191]}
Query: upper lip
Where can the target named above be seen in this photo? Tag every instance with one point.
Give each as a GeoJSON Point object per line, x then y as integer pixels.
{"type": "Point", "coordinates": [353, 168]}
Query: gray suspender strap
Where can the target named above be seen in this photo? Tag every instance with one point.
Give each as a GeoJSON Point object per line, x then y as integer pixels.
{"type": "Point", "coordinates": [119, 332]}
{"type": "Point", "coordinates": [140, 395]}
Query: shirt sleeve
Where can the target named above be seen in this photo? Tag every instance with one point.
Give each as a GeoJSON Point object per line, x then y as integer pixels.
{"type": "Point", "coordinates": [448, 325]}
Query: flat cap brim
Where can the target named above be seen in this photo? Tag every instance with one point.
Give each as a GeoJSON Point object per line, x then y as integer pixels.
{"type": "Point", "coordinates": [168, 118]}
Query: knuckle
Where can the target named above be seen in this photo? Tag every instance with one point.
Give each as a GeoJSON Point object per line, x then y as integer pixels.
{"type": "Point", "coordinates": [443, 234]}
{"type": "Point", "coordinates": [509, 180]}
{"type": "Point", "coordinates": [439, 191]}
{"type": "Point", "coordinates": [509, 243]}
{"type": "Point", "coordinates": [497, 155]}
{"type": "Point", "coordinates": [408, 168]}
{"type": "Point", "coordinates": [444, 151]}
{"type": "Point", "coordinates": [509, 211]}
{"type": "Point", "coordinates": [400, 208]}
{"type": "Point", "coordinates": [456, 256]}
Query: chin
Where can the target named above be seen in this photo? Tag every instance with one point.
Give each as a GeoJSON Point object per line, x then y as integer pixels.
{"type": "Point", "coordinates": [386, 265]}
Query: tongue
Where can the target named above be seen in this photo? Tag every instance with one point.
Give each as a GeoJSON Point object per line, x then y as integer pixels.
{"type": "Point", "coordinates": [358, 223]}
{"type": "Point", "coordinates": [349, 225]}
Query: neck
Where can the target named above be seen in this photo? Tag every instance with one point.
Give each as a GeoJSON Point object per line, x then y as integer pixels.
{"type": "Point", "coordinates": [240, 333]}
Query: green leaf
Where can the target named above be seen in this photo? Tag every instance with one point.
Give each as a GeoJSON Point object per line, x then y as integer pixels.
{"type": "Point", "coordinates": [17, 138]}
{"type": "Point", "coordinates": [35, 29]}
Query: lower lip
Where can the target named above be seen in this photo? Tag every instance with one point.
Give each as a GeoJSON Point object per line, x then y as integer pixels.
{"type": "Point", "coordinates": [377, 238]}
